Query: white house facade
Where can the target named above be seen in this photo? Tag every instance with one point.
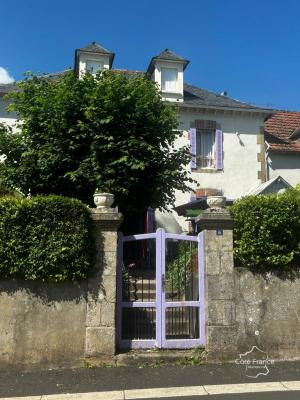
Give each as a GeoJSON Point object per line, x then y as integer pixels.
{"type": "Point", "coordinates": [226, 136]}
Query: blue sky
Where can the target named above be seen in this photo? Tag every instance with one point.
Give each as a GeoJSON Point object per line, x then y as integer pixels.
{"type": "Point", "coordinates": [248, 48]}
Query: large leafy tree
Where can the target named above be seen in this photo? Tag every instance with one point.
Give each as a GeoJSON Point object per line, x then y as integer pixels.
{"type": "Point", "coordinates": [109, 132]}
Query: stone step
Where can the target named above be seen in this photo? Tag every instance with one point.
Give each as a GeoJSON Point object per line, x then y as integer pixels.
{"type": "Point", "coordinates": [146, 284]}
{"type": "Point", "coordinates": [150, 294]}
{"type": "Point", "coordinates": [143, 274]}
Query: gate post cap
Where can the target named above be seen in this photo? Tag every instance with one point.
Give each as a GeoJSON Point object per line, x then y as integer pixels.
{"type": "Point", "coordinates": [112, 219]}
{"type": "Point", "coordinates": [217, 216]}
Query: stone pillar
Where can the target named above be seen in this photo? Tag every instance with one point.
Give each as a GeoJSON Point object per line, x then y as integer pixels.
{"type": "Point", "coordinates": [102, 285]}
{"type": "Point", "coordinates": [217, 225]}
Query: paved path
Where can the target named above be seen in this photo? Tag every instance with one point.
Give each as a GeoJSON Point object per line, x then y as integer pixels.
{"type": "Point", "coordinates": [281, 389]}
{"type": "Point", "coordinates": [192, 382]}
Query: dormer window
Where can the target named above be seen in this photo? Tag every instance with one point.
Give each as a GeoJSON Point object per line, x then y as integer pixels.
{"type": "Point", "coordinates": [166, 70]}
{"type": "Point", "coordinates": [169, 77]}
{"type": "Point", "coordinates": [94, 66]}
{"type": "Point", "coordinates": [92, 58]}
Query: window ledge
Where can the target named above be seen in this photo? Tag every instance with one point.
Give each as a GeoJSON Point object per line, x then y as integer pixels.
{"type": "Point", "coordinates": [207, 170]}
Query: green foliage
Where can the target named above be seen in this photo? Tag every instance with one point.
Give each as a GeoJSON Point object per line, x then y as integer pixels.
{"type": "Point", "coordinates": [267, 231]}
{"type": "Point", "coordinates": [108, 131]}
{"type": "Point", "coordinates": [180, 265]}
{"type": "Point", "coordinates": [5, 191]}
{"type": "Point", "coordinates": [45, 238]}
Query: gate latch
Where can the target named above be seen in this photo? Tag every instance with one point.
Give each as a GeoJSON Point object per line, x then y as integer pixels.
{"type": "Point", "coordinates": [163, 282]}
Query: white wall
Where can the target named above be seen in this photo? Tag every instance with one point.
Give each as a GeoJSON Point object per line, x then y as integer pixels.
{"type": "Point", "coordinates": [5, 117]}
{"type": "Point", "coordinates": [286, 165]}
{"type": "Point", "coordinates": [241, 167]}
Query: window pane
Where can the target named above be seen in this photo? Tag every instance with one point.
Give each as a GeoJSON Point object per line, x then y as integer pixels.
{"type": "Point", "coordinates": [205, 144]}
{"type": "Point", "coordinates": [93, 67]}
{"type": "Point", "coordinates": [168, 79]}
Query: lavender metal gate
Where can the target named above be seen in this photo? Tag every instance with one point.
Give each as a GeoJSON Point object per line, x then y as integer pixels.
{"type": "Point", "coordinates": [160, 291]}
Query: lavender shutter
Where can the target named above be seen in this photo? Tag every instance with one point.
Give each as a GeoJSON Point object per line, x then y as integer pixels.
{"type": "Point", "coordinates": [219, 149]}
{"type": "Point", "coordinates": [192, 134]}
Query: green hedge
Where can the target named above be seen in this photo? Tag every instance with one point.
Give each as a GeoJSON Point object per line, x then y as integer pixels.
{"type": "Point", "coordinates": [4, 191]}
{"type": "Point", "coordinates": [45, 238]}
{"type": "Point", "coordinates": [267, 231]}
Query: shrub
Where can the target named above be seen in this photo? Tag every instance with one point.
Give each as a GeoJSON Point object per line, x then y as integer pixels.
{"type": "Point", "coordinates": [182, 260]}
{"type": "Point", "coordinates": [6, 191]}
{"type": "Point", "coordinates": [267, 230]}
{"type": "Point", "coordinates": [45, 238]}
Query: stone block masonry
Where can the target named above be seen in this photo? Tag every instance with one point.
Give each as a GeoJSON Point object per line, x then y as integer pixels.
{"type": "Point", "coordinates": [102, 286]}
{"type": "Point", "coordinates": [60, 324]}
{"type": "Point", "coordinates": [219, 284]}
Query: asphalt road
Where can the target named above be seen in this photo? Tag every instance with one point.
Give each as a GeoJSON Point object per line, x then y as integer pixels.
{"type": "Point", "coordinates": [81, 380]}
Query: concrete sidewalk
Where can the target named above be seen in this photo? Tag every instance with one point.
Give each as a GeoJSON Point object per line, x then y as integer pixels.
{"type": "Point", "coordinates": [159, 382]}
{"type": "Point", "coordinates": [175, 392]}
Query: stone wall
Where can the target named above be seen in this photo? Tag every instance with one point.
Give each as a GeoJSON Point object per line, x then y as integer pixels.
{"type": "Point", "coordinates": [244, 309]}
{"type": "Point", "coordinates": [268, 314]}
{"type": "Point", "coordinates": [59, 324]}
{"type": "Point", "coordinates": [41, 323]}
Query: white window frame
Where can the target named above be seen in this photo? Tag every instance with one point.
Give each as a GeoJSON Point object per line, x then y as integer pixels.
{"type": "Point", "coordinates": [163, 80]}
{"type": "Point", "coordinates": [202, 160]}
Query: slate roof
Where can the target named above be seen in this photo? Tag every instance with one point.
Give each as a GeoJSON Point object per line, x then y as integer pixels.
{"type": "Point", "coordinates": [11, 87]}
{"type": "Point", "coordinates": [281, 132]}
{"type": "Point", "coordinates": [195, 96]}
{"type": "Point", "coordinates": [167, 55]}
{"type": "Point", "coordinates": [129, 73]}
{"type": "Point", "coordinates": [95, 48]}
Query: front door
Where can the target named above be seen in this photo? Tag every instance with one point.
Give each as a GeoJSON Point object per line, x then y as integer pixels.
{"type": "Point", "coordinates": [160, 291]}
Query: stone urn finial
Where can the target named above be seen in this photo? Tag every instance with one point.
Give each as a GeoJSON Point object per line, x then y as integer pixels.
{"type": "Point", "coordinates": [103, 200]}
